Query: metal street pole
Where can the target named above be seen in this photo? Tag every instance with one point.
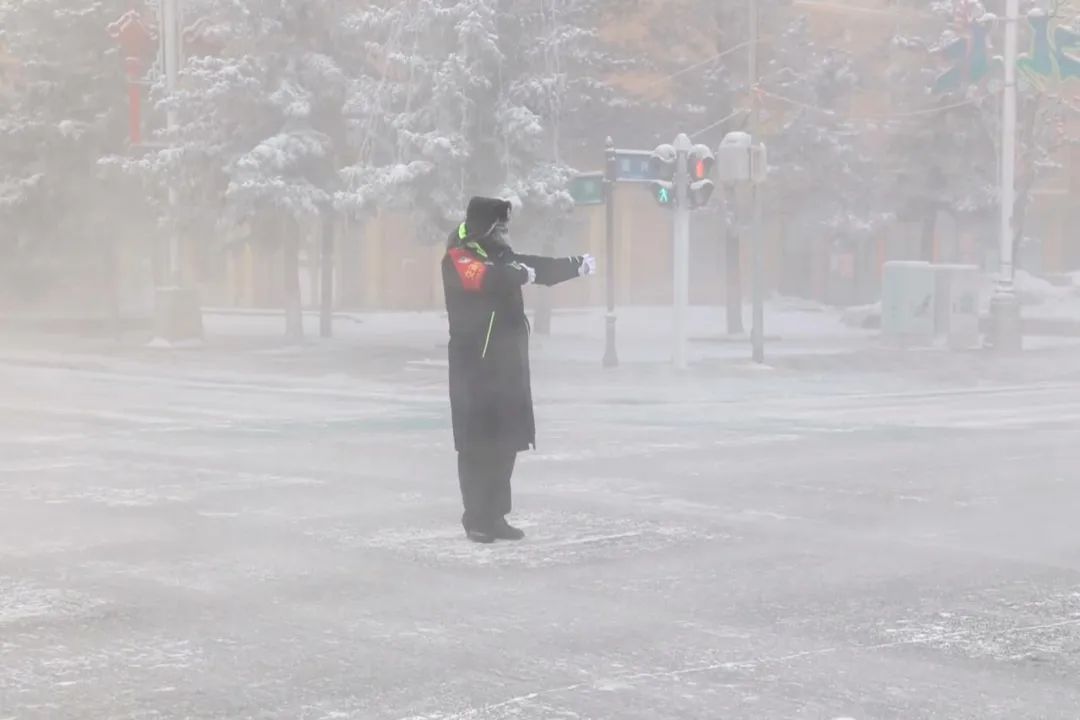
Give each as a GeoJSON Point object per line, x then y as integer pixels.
{"type": "Point", "coordinates": [1005, 306]}
{"type": "Point", "coordinates": [734, 253]}
{"type": "Point", "coordinates": [752, 68]}
{"type": "Point", "coordinates": [681, 254]}
{"type": "Point", "coordinates": [170, 39]}
{"type": "Point", "coordinates": [758, 332]}
{"type": "Point", "coordinates": [179, 316]}
{"type": "Point", "coordinates": [733, 295]}
{"type": "Point", "coordinates": [611, 357]}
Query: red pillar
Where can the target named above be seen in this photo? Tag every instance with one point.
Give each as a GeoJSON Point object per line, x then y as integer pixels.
{"type": "Point", "coordinates": [137, 40]}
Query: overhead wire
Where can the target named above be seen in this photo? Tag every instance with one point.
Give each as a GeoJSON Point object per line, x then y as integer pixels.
{"type": "Point", "coordinates": [700, 64]}
{"type": "Point", "coordinates": [864, 120]}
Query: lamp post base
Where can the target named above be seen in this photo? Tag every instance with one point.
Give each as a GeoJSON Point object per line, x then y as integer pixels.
{"type": "Point", "coordinates": [1006, 332]}
{"type": "Point", "coordinates": [177, 315]}
{"type": "Point", "coordinates": [611, 357]}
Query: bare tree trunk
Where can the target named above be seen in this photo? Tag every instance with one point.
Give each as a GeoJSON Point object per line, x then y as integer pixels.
{"type": "Point", "coordinates": [111, 273]}
{"type": "Point", "coordinates": [326, 311]}
{"type": "Point", "coordinates": [294, 312]}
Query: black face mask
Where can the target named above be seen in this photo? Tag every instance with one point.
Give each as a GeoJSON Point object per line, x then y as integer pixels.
{"type": "Point", "coordinates": [499, 236]}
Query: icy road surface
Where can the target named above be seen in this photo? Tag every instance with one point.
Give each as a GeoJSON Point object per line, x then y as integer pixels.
{"type": "Point", "coordinates": [223, 546]}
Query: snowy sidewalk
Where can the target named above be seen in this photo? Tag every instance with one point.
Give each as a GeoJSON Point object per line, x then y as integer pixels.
{"type": "Point", "coordinates": [800, 336]}
{"type": "Point", "coordinates": [804, 340]}
{"type": "Point", "coordinates": [577, 335]}
{"type": "Point", "coordinates": [1048, 308]}
{"type": "Point", "coordinates": [643, 333]}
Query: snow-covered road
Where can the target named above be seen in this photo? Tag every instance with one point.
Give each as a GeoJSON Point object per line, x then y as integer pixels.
{"type": "Point", "coordinates": [212, 545]}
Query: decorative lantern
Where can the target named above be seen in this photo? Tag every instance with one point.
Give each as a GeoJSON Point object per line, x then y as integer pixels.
{"type": "Point", "coordinates": [138, 43]}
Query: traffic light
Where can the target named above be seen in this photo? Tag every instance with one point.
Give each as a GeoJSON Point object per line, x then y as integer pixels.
{"type": "Point", "coordinates": [662, 170]}
{"type": "Point", "coordinates": [699, 163]}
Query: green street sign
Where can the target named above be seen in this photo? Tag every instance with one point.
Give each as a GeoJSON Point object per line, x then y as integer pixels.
{"type": "Point", "coordinates": [587, 189]}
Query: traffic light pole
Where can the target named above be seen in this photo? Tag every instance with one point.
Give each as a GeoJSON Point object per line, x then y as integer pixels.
{"type": "Point", "coordinates": [178, 315]}
{"type": "Point", "coordinates": [611, 357]}
{"type": "Point", "coordinates": [742, 160]}
{"type": "Point", "coordinates": [170, 42]}
{"type": "Point", "coordinates": [681, 251]}
{"type": "Point", "coordinates": [1007, 332]}
{"type": "Point", "coordinates": [758, 331]}
{"type": "Point", "coordinates": [733, 294]}
{"type": "Point", "coordinates": [681, 181]}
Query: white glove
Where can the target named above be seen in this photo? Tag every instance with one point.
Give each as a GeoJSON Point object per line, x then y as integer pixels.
{"type": "Point", "coordinates": [588, 266]}
{"type": "Point", "coordinates": [532, 274]}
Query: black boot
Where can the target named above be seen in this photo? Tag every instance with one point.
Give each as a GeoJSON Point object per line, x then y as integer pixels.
{"type": "Point", "coordinates": [475, 534]}
{"type": "Point", "coordinates": [479, 536]}
{"type": "Point", "coordinates": [506, 531]}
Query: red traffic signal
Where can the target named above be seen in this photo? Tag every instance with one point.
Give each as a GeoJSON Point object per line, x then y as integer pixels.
{"type": "Point", "coordinates": [700, 163]}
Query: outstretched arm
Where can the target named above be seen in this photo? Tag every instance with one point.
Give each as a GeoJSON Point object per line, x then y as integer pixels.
{"type": "Point", "coordinates": [552, 271]}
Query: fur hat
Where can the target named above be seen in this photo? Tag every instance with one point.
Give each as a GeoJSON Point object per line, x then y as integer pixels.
{"type": "Point", "coordinates": [484, 213]}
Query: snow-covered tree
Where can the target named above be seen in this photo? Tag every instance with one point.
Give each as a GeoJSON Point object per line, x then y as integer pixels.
{"type": "Point", "coordinates": [942, 149]}
{"type": "Point", "coordinates": [64, 109]}
{"type": "Point", "coordinates": [1045, 113]}
{"type": "Point", "coordinates": [259, 130]}
{"type": "Point", "coordinates": [949, 158]}
{"type": "Point", "coordinates": [461, 97]}
{"type": "Point", "coordinates": [830, 183]}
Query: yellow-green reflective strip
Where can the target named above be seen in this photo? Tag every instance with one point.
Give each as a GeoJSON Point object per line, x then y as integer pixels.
{"type": "Point", "coordinates": [462, 232]}
{"type": "Point", "coordinates": [487, 340]}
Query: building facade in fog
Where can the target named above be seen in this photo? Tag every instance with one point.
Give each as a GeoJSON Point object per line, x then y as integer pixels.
{"type": "Point", "coordinates": [379, 270]}
{"type": "Point", "coordinates": [385, 262]}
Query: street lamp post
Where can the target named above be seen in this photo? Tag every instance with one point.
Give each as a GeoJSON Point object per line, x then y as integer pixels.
{"type": "Point", "coordinates": [179, 315]}
{"type": "Point", "coordinates": [681, 251]}
{"type": "Point", "coordinates": [757, 330]}
{"type": "Point", "coordinates": [741, 159]}
{"type": "Point", "coordinates": [170, 58]}
{"type": "Point", "coordinates": [611, 357]}
{"type": "Point", "coordinates": [1005, 305]}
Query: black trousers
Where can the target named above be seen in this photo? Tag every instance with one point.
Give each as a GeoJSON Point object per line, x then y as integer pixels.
{"type": "Point", "coordinates": [484, 475]}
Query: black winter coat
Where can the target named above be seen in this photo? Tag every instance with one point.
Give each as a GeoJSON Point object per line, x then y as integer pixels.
{"type": "Point", "coordinates": [490, 386]}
